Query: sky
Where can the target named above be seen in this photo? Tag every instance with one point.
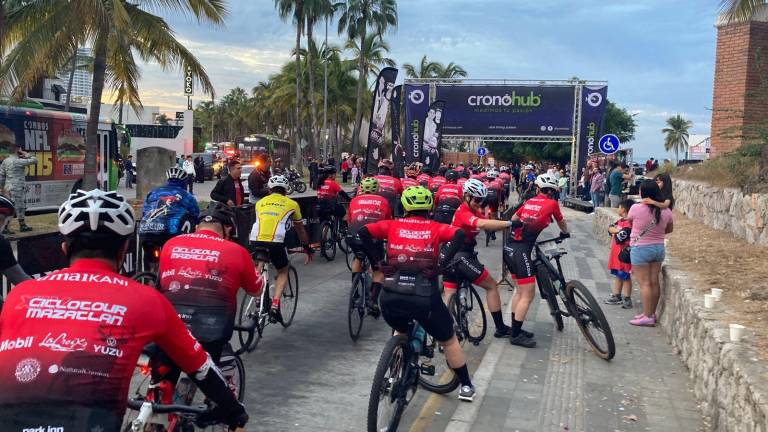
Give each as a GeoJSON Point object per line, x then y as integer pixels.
{"type": "Point", "coordinates": [657, 55]}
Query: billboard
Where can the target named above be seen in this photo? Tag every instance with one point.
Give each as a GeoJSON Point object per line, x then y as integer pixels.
{"type": "Point", "coordinates": [382, 97]}
{"type": "Point", "coordinates": [431, 134]}
{"type": "Point", "coordinates": [507, 110]}
{"type": "Point", "coordinates": [416, 106]}
{"type": "Point", "coordinates": [593, 102]}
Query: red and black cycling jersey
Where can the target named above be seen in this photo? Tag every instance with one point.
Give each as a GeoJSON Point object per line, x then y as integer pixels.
{"type": "Point", "coordinates": [389, 187]}
{"type": "Point", "coordinates": [328, 190]}
{"type": "Point", "coordinates": [437, 181]}
{"type": "Point", "coordinates": [365, 209]}
{"type": "Point", "coordinates": [72, 339]}
{"type": "Point", "coordinates": [461, 182]}
{"type": "Point", "coordinates": [448, 195]}
{"type": "Point", "coordinates": [505, 177]}
{"type": "Point", "coordinates": [413, 243]}
{"type": "Point", "coordinates": [536, 214]}
{"type": "Point", "coordinates": [495, 189]}
{"type": "Point", "coordinates": [477, 176]}
{"type": "Point", "coordinates": [201, 273]}
{"type": "Point", "coordinates": [408, 182]}
{"type": "Point", "coordinates": [467, 220]}
{"type": "Point", "coordinates": [424, 180]}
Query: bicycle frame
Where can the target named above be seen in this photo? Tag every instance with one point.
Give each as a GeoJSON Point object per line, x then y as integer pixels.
{"type": "Point", "coordinates": [555, 271]}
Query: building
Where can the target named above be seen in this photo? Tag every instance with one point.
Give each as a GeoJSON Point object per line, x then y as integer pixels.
{"type": "Point", "coordinates": [698, 147]}
{"type": "Point", "coordinates": [82, 80]}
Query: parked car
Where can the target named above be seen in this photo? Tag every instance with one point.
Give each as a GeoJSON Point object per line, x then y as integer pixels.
{"type": "Point", "coordinates": [244, 173]}
{"type": "Point", "coordinates": [208, 165]}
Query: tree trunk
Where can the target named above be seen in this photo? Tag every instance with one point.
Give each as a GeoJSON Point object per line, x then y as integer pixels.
{"type": "Point", "coordinates": [299, 26]}
{"type": "Point", "coordinates": [71, 80]}
{"type": "Point", "coordinates": [313, 138]}
{"type": "Point", "coordinates": [360, 90]}
{"type": "Point", "coordinates": [91, 132]}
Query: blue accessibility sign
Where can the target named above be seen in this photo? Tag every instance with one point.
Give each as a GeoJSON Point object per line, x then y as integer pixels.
{"type": "Point", "coordinates": [609, 144]}
{"type": "Point", "coordinates": [482, 151]}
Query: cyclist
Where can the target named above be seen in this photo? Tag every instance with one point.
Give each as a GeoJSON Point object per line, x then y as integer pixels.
{"type": "Point", "coordinates": [72, 338]}
{"type": "Point", "coordinates": [389, 187]}
{"type": "Point", "coordinates": [411, 173]}
{"type": "Point", "coordinates": [275, 215]}
{"type": "Point", "coordinates": [447, 198]}
{"type": "Point", "coordinates": [202, 285]}
{"type": "Point", "coordinates": [425, 178]}
{"type": "Point", "coordinates": [438, 180]}
{"type": "Point", "coordinates": [327, 195]}
{"type": "Point", "coordinates": [8, 265]}
{"type": "Point", "coordinates": [506, 179]}
{"type": "Point", "coordinates": [169, 210]}
{"type": "Point", "coordinates": [470, 219]}
{"type": "Point", "coordinates": [535, 215]}
{"type": "Point", "coordinates": [411, 284]}
{"type": "Point", "coordinates": [364, 209]}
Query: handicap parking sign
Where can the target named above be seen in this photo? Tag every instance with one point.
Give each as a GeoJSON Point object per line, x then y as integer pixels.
{"type": "Point", "coordinates": [609, 144]}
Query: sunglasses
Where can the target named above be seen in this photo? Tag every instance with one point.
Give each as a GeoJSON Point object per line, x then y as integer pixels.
{"type": "Point", "coordinates": [479, 201]}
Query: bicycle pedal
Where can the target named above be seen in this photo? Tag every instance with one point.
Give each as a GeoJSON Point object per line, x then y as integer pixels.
{"type": "Point", "coordinates": [428, 370]}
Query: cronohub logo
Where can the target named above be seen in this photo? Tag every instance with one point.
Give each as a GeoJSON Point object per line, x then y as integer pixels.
{"type": "Point", "coordinates": [416, 96]}
{"type": "Point", "coordinates": [594, 99]}
{"type": "Point", "coordinates": [529, 100]}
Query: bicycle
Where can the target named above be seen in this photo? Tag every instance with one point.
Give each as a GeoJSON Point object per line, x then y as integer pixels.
{"type": "Point", "coordinates": [163, 396]}
{"type": "Point", "coordinates": [333, 232]}
{"type": "Point", "coordinates": [254, 313]}
{"type": "Point", "coordinates": [466, 308]}
{"type": "Point", "coordinates": [358, 299]}
{"type": "Point", "coordinates": [579, 302]}
{"type": "Point", "coordinates": [405, 363]}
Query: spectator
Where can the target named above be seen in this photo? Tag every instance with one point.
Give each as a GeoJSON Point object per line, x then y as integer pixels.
{"type": "Point", "coordinates": [562, 182]}
{"type": "Point", "coordinates": [664, 181]}
{"type": "Point", "coordinates": [585, 177]}
{"type": "Point", "coordinates": [649, 226]}
{"type": "Point", "coordinates": [655, 165]}
{"type": "Point", "coordinates": [331, 161]}
{"type": "Point", "coordinates": [257, 182]}
{"type": "Point", "coordinates": [129, 168]}
{"type": "Point", "coordinates": [313, 166]}
{"type": "Point", "coordinates": [649, 165]}
{"type": "Point", "coordinates": [596, 185]}
{"type": "Point", "coordinates": [199, 169]}
{"type": "Point", "coordinates": [345, 169]}
{"type": "Point", "coordinates": [356, 172]}
{"type": "Point", "coordinates": [13, 181]}
{"type": "Point", "coordinates": [229, 189]}
{"type": "Point", "coordinates": [189, 167]}
{"type": "Point", "coordinates": [622, 284]}
{"type": "Point", "coordinates": [616, 181]}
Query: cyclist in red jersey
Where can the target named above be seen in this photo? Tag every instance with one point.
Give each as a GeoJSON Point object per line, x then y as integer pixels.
{"type": "Point", "coordinates": [327, 194]}
{"type": "Point", "coordinates": [410, 288]}
{"type": "Point", "coordinates": [469, 217]}
{"type": "Point", "coordinates": [447, 198]}
{"type": "Point", "coordinates": [411, 172]}
{"type": "Point", "coordinates": [438, 180]}
{"type": "Point", "coordinates": [535, 215]}
{"type": "Point", "coordinates": [202, 286]}
{"type": "Point", "coordinates": [425, 178]}
{"type": "Point", "coordinates": [364, 209]}
{"type": "Point", "coordinates": [70, 341]}
{"type": "Point", "coordinates": [389, 187]}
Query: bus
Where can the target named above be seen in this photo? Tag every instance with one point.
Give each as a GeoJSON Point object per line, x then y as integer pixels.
{"type": "Point", "coordinates": [253, 146]}
{"type": "Point", "coordinates": [57, 140]}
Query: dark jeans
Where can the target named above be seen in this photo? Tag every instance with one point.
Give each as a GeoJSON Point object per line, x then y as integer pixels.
{"type": "Point", "coordinates": [190, 182]}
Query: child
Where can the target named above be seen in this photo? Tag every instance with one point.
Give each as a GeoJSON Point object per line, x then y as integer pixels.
{"type": "Point", "coordinates": [622, 285]}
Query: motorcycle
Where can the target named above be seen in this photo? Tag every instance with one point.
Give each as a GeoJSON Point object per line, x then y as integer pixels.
{"type": "Point", "coordinates": [294, 182]}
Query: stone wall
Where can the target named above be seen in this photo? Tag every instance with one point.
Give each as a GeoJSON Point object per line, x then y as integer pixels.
{"type": "Point", "coordinates": [728, 209]}
{"type": "Point", "coordinates": [730, 379]}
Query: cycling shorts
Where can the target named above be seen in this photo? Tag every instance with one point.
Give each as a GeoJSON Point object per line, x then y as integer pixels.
{"type": "Point", "coordinates": [468, 268]}
{"type": "Point", "coordinates": [328, 207]}
{"type": "Point", "coordinates": [356, 244]}
{"type": "Point", "coordinates": [399, 310]}
{"type": "Point", "coordinates": [274, 251]}
{"type": "Point", "coordinates": [444, 214]}
{"type": "Point", "coordinates": [517, 258]}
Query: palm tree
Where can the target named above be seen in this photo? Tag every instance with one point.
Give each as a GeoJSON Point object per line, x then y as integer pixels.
{"type": "Point", "coordinates": [356, 19]}
{"type": "Point", "coordinates": [316, 10]}
{"type": "Point", "coordinates": [740, 10]}
{"type": "Point", "coordinates": [426, 69]}
{"type": "Point", "coordinates": [42, 36]}
{"type": "Point", "coordinates": [375, 50]}
{"type": "Point", "coordinates": [294, 9]}
{"type": "Point", "coordinates": [676, 138]}
{"type": "Point", "coordinates": [451, 71]}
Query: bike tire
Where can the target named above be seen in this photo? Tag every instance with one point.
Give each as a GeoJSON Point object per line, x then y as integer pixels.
{"type": "Point", "coordinates": [300, 186]}
{"type": "Point", "coordinates": [289, 189]}
{"type": "Point", "coordinates": [241, 376]}
{"type": "Point", "coordinates": [588, 315]}
{"type": "Point", "coordinates": [444, 382]}
{"type": "Point", "coordinates": [146, 278]}
{"type": "Point", "coordinates": [348, 259]}
{"type": "Point", "coordinates": [289, 300]}
{"type": "Point", "coordinates": [392, 360]}
{"type": "Point", "coordinates": [327, 242]}
{"type": "Point", "coordinates": [356, 312]}
{"type": "Point", "coordinates": [249, 309]}
{"type": "Point", "coordinates": [458, 318]}
{"type": "Point", "coordinates": [475, 305]}
{"type": "Point", "coordinates": [547, 291]}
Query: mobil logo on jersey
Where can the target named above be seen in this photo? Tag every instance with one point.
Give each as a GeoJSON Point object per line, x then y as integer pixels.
{"type": "Point", "coordinates": [18, 343]}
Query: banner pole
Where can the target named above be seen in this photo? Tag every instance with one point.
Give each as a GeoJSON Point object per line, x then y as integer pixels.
{"type": "Point", "coordinates": [574, 182]}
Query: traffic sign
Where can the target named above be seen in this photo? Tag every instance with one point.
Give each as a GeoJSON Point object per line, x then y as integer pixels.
{"type": "Point", "coordinates": [482, 151]}
{"type": "Point", "coordinates": [609, 144]}
{"type": "Point", "coordinates": [189, 84]}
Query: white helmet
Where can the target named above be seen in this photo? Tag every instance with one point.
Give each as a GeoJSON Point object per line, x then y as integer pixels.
{"type": "Point", "coordinates": [504, 168]}
{"type": "Point", "coordinates": [175, 173]}
{"type": "Point", "coordinates": [474, 188]}
{"type": "Point", "coordinates": [529, 167]}
{"type": "Point", "coordinates": [547, 181]}
{"type": "Point", "coordinates": [491, 174]}
{"type": "Point", "coordinates": [96, 211]}
{"type": "Point", "coordinates": [278, 181]}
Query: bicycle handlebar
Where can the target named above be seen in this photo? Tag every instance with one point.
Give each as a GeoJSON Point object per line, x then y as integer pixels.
{"type": "Point", "coordinates": [157, 408]}
{"type": "Point", "coordinates": [559, 239]}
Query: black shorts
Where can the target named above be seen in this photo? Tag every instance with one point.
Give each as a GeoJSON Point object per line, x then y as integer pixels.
{"type": "Point", "coordinates": [398, 310]}
{"type": "Point", "coordinates": [444, 214]}
{"type": "Point", "coordinates": [517, 258]}
{"type": "Point", "coordinates": [328, 207]}
{"type": "Point", "coordinates": [276, 253]}
{"type": "Point", "coordinates": [468, 268]}
{"type": "Point", "coordinates": [358, 249]}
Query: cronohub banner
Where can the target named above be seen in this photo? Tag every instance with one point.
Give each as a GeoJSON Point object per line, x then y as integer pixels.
{"type": "Point", "coordinates": [398, 153]}
{"type": "Point", "coordinates": [508, 110]}
{"type": "Point", "coordinates": [382, 96]}
{"type": "Point", "coordinates": [432, 132]}
{"type": "Point", "coordinates": [593, 101]}
{"type": "Point", "coordinates": [416, 106]}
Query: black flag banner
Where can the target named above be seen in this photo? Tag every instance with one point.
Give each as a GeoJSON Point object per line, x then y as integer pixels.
{"type": "Point", "coordinates": [382, 97]}
{"type": "Point", "coordinates": [398, 152]}
{"type": "Point", "coordinates": [431, 135]}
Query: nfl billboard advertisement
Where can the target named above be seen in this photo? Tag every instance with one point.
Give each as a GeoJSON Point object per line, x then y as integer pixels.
{"type": "Point", "coordinates": [507, 110]}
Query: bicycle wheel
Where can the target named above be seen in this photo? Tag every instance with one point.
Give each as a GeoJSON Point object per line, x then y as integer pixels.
{"type": "Point", "coordinates": [290, 298]}
{"type": "Point", "coordinates": [444, 380]}
{"type": "Point", "coordinates": [348, 257]}
{"type": "Point", "coordinates": [299, 186]}
{"type": "Point", "coordinates": [590, 319]}
{"type": "Point", "coordinates": [547, 291]}
{"type": "Point", "coordinates": [233, 370]}
{"type": "Point", "coordinates": [246, 317]}
{"type": "Point", "coordinates": [459, 322]}
{"type": "Point", "coordinates": [477, 322]}
{"type": "Point", "coordinates": [356, 312]}
{"type": "Point", "coordinates": [146, 278]}
{"type": "Point", "coordinates": [342, 237]}
{"type": "Point", "coordinates": [388, 393]}
{"type": "Point", "coordinates": [327, 242]}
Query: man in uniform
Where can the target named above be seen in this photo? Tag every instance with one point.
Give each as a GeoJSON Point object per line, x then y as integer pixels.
{"type": "Point", "coordinates": [13, 182]}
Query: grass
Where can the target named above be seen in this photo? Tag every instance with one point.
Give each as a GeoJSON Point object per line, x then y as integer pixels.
{"type": "Point", "coordinates": [738, 169]}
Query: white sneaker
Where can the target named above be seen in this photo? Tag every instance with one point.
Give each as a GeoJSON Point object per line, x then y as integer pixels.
{"type": "Point", "coordinates": [467, 393]}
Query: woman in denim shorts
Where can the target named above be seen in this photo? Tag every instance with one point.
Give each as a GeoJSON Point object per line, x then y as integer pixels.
{"type": "Point", "coordinates": [649, 226]}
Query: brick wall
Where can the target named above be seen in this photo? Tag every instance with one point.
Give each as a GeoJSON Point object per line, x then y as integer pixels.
{"type": "Point", "coordinates": [738, 101]}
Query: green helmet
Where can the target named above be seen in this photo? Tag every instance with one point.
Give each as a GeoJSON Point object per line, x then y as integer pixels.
{"type": "Point", "coordinates": [416, 198]}
{"type": "Point", "coordinates": [369, 185]}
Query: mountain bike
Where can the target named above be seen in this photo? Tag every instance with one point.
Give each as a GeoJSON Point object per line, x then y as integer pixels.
{"type": "Point", "coordinates": [359, 298]}
{"type": "Point", "coordinates": [407, 361]}
{"type": "Point", "coordinates": [579, 302]}
{"type": "Point", "coordinates": [466, 308]}
{"type": "Point", "coordinates": [254, 312]}
{"type": "Point", "coordinates": [333, 232]}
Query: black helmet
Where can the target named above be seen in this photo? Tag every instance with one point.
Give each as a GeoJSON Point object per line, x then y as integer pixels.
{"type": "Point", "coordinates": [217, 212]}
{"type": "Point", "coordinates": [451, 175]}
{"type": "Point", "coordinates": [330, 169]}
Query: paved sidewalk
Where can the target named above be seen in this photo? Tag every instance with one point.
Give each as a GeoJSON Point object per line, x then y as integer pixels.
{"type": "Point", "coordinates": [562, 386]}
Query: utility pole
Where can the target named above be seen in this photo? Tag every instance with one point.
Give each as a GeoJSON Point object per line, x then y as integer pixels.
{"type": "Point", "coordinates": [325, 94]}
